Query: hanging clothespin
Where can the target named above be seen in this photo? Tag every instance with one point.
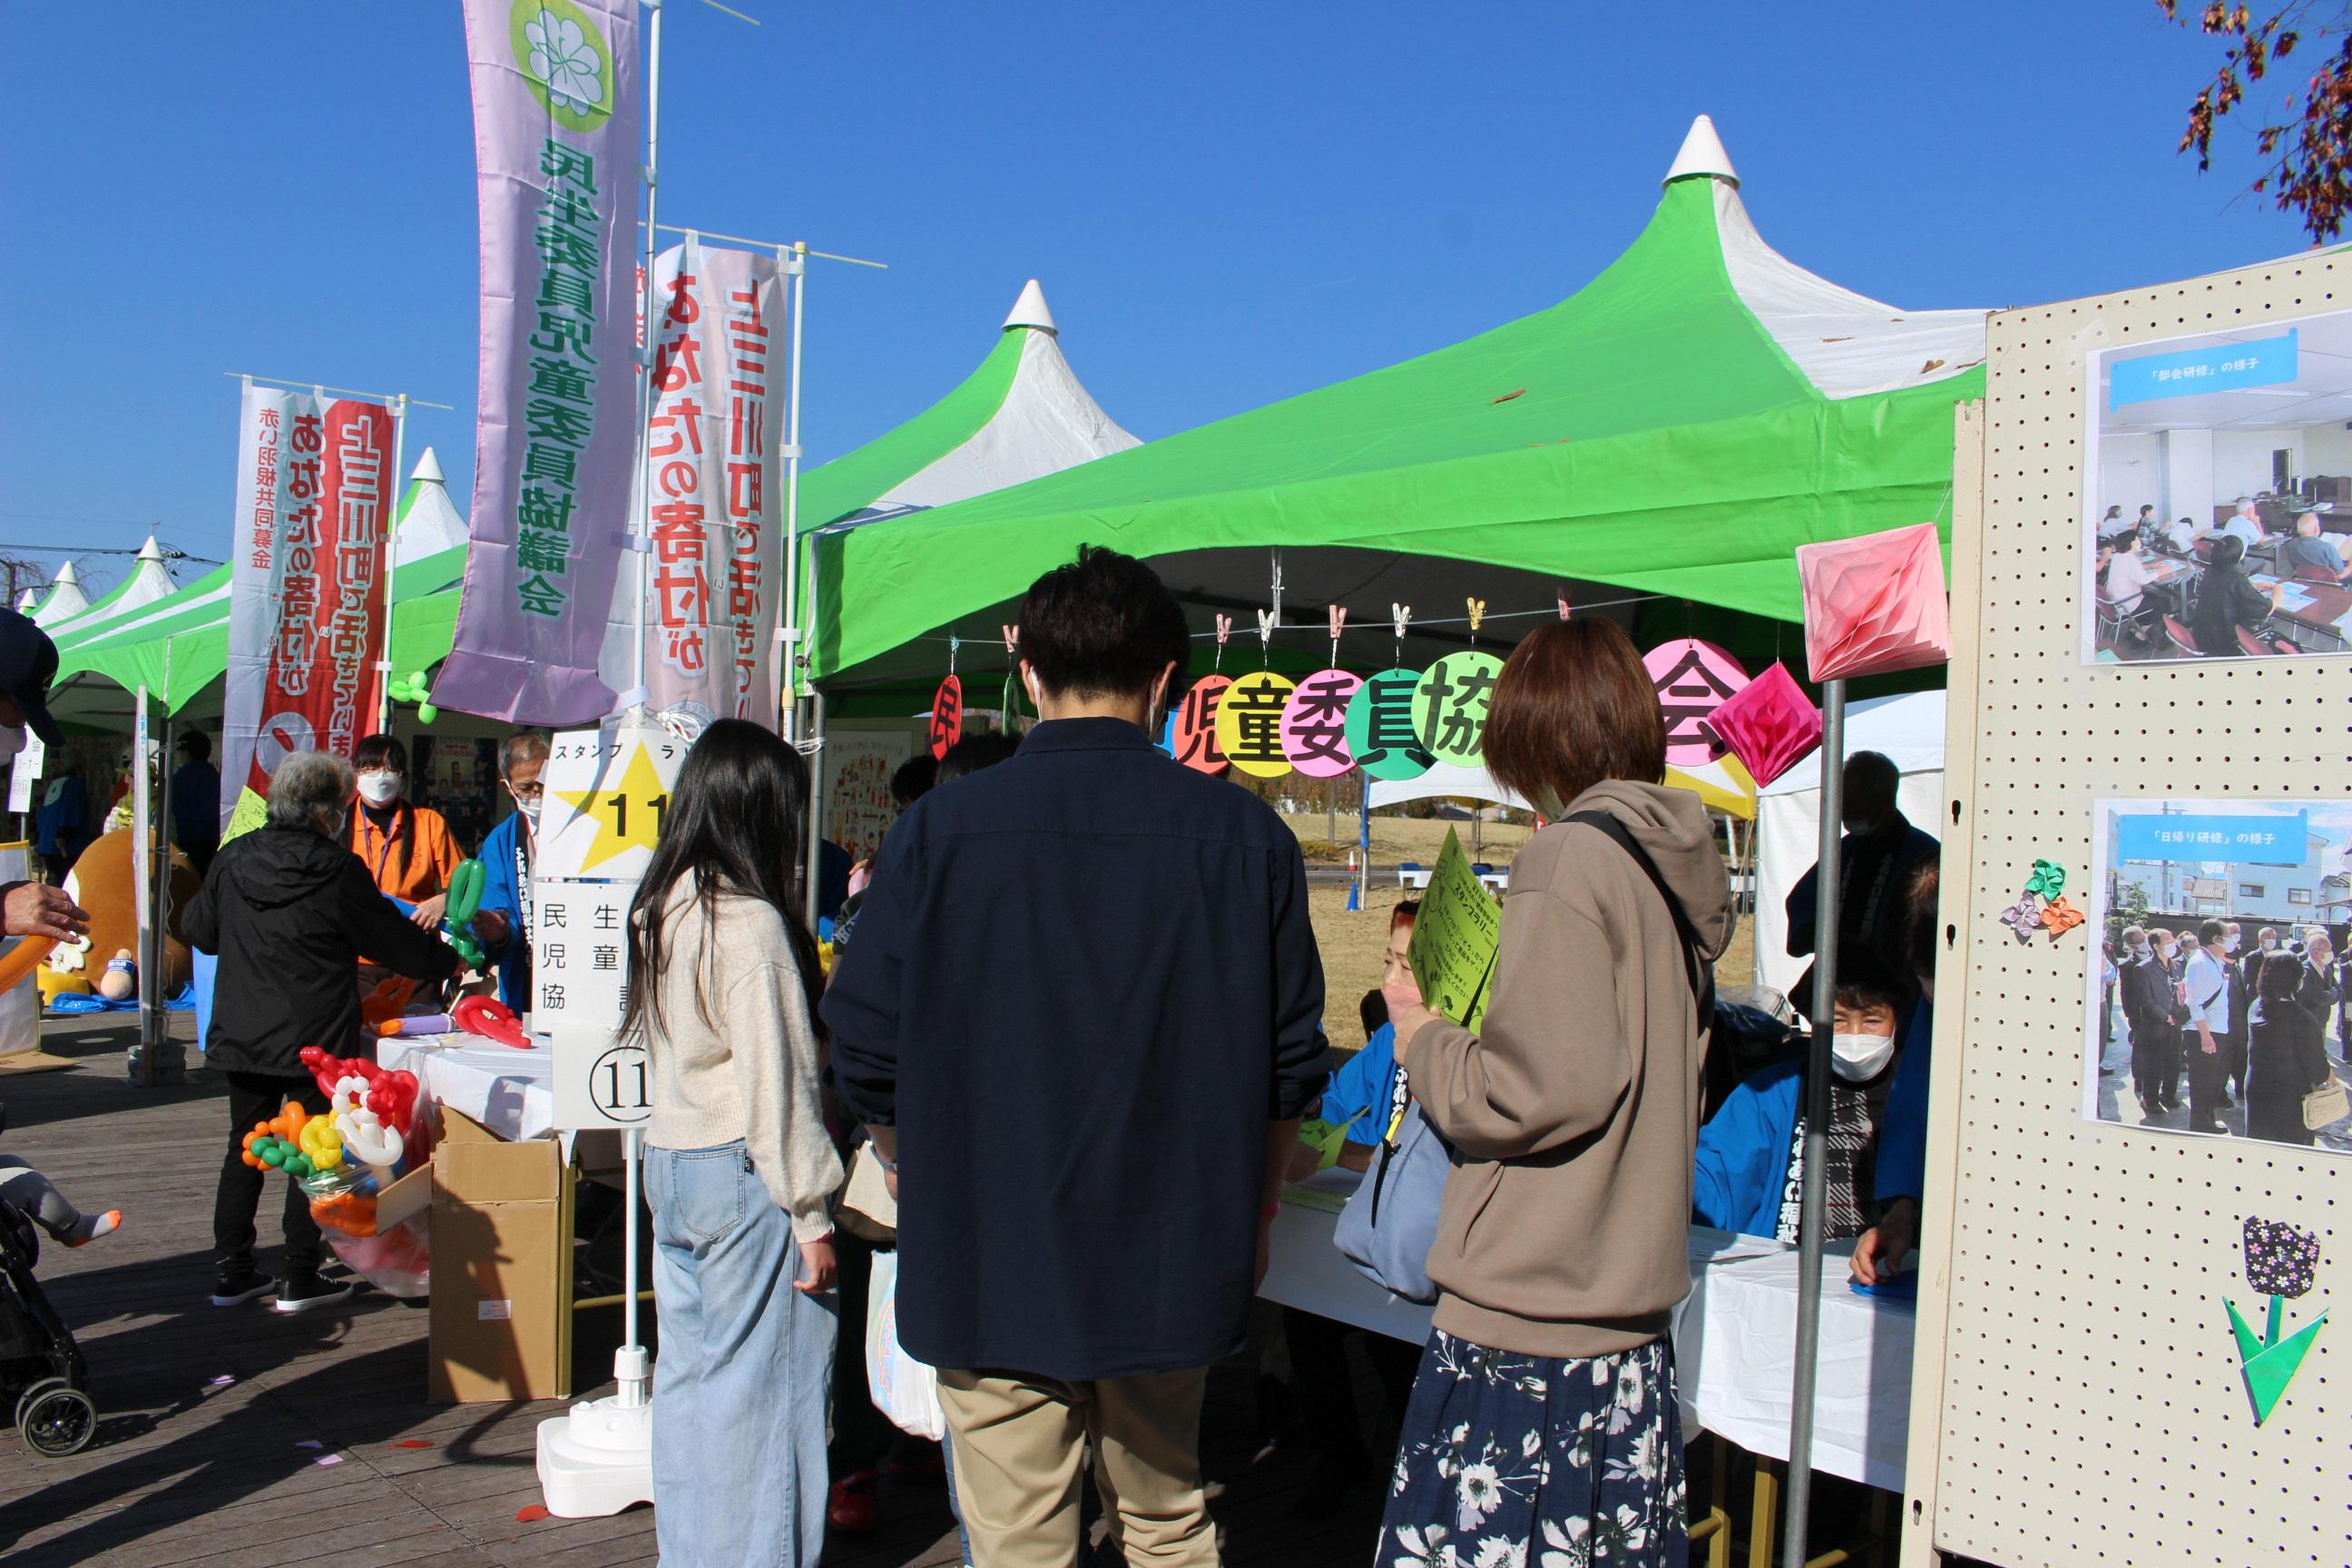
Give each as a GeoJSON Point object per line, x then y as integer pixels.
{"type": "Point", "coordinates": [1265, 619]}
{"type": "Point", "coordinates": [1400, 614]}
{"type": "Point", "coordinates": [954, 643]}
{"type": "Point", "coordinates": [1563, 604]}
{"type": "Point", "coordinates": [1277, 587]}
{"type": "Point", "coordinates": [1012, 640]}
{"type": "Point", "coordinates": [1224, 630]}
{"type": "Point", "coordinates": [1478, 613]}
{"type": "Point", "coordinates": [1339, 619]}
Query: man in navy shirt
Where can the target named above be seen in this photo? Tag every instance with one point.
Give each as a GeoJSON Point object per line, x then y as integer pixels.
{"type": "Point", "coordinates": [1083, 1017]}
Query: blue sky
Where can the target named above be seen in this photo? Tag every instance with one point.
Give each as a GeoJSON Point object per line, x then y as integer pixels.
{"type": "Point", "coordinates": [1226, 203]}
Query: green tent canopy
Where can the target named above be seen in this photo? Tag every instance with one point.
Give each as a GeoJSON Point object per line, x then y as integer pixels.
{"type": "Point", "coordinates": [1673, 429]}
{"type": "Point", "coordinates": [1023, 413]}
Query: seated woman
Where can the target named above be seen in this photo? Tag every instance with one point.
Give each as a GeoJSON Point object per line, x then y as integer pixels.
{"type": "Point", "coordinates": [2227, 600]}
{"type": "Point", "coordinates": [1750, 1153]}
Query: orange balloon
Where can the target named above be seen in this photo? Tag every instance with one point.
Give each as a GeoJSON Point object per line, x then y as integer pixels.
{"type": "Point", "coordinates": [19, 964]}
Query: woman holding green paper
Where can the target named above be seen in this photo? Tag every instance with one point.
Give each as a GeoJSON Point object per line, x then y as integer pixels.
{"type": "Point", "coordinates": [1544, 1417]}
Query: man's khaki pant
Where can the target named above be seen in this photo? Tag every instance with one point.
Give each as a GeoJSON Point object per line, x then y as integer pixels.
{"type": "Point", "coordinates": [1019, 1446]}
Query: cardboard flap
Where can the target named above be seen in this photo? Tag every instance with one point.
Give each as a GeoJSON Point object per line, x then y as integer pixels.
{"type": "Point", "coordinates": [473, 1166]}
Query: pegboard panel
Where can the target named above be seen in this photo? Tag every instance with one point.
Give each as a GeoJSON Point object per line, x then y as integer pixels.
{"type": "Point", "coordinates": [2077, 1396]}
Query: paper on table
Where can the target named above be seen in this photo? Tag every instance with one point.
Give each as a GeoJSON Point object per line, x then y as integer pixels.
{"type": "Point", "coordinates": [1454, 939]}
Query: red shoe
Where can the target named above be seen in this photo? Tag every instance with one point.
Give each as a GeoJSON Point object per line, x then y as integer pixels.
{"type": "Point", "coordinates": [851, 1509]}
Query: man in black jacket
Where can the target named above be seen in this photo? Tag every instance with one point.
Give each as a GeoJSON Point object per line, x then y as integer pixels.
{"type": "Point", "coordinates": [2151, 1018]}
{"type": "Point", "coordinates": [291, 912]}
{"type": "Point", "coordinates": [1085, 1008]}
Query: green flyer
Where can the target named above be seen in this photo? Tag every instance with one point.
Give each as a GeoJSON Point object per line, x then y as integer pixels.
{"type": "Point", "coordinates": [1455, 938]}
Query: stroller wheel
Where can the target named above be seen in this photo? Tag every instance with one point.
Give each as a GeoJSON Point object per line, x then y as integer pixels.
{"type": "Point", "coordinates": [55, 1419]}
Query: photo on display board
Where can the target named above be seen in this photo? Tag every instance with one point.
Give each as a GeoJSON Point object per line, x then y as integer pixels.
{"type": "Point", "coordinates": [2217, 518]}
{"type": "Point", "coordinates": [2268, 884]}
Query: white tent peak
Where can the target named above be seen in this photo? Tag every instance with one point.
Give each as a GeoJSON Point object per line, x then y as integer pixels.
{"type": "Point", "coordinates": [1029, 310]}
{"type": "Point", "coordinates": [429, 469]}
{"type": "Point", "coordinates": [1702, 156]}
{"type": "Point", "coordinates": [66, 573]}
{"type": "Point", "coordinates": [151, 550]}
{"type": "Point", "coordinates": [29, 601]}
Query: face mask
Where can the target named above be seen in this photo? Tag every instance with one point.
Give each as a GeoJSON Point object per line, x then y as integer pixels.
{"type": "Point", "coordinates": [2165, 953]}
{"type": "Point", "coordinates": [2270, 944]}
{"type": "Point", "coordinates": [2228, 944]}
{"type": "Point", "coordinates": [2139, 949]}
{"type": "Point", "coordinates": [1860, 1056]}
{"type": "Point", "coordinates": [380, 789]}
{"type": "Point", "coordinates": [530, 809]}
{"type": "Point", "coordinates": [11, 740]}
{"type": "Point", "coordinates": [338, 826]}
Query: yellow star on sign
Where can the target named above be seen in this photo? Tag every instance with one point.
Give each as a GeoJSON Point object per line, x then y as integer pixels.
{"type": "Point", "coordinates": [628, 818]}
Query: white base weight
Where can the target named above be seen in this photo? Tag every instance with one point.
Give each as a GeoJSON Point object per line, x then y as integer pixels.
{"type": "Point", "coordinates": [597, 1459]}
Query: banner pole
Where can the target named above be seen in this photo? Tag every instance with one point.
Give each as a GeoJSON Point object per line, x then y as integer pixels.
{"type": "Point", "coordinates": [1813, 1189]}
{"type": "Point", "coordinates": [391, 559]}
{"type": "Point", "coordinates": [640, 525]}
{"type": "Point", "coordinates": [794, 258]}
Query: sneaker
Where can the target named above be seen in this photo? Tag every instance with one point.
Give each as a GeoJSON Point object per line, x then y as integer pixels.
{"type": "Point", "coordinates": [851, 1509]}
{"type": "Point", "coordinates": [235, 1290]}
{"type": "Point", "coordinates": [302, 1294]}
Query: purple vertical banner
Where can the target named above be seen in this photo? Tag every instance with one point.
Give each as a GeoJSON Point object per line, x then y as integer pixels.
{"type": "Point", "coordinates": [558, 155]}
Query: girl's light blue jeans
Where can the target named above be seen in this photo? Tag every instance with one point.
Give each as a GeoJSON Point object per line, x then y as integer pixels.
{"type": "Point", "coordinates": [746, 1369]}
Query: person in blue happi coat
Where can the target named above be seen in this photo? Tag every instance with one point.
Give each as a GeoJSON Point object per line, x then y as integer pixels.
{"type": "Point", "coordinates": [503, 921]}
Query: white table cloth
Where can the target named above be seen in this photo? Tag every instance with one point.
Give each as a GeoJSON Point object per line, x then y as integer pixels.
{"type": "Point", "coordinates": [510, 1093]}
{"type": "Point", "coordinates": [1735, 1338]}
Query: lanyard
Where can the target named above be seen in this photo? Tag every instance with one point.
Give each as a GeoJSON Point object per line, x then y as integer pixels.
{"type": "Point", "coordinates": [391, 836]}
{"type": "Point", "coordinates": [522, 874]}
{"type": "Point", "coordinates": [1399, 1097]}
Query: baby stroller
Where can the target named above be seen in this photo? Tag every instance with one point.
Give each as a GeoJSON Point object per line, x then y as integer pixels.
{"type": "Point", "coordinates": [42, 1374]}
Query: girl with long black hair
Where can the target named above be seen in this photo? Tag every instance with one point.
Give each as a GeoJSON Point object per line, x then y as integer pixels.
{"type": "Point", "coordinates": [723, 981]}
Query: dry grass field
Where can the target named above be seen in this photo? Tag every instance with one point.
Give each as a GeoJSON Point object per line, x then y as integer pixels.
{"type": "Point", "coordinates": [1352, 945]}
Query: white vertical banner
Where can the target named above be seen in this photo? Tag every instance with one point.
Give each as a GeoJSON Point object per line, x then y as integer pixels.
{"type": "Point", "coordinates": [607, 790]}
{"type": "Point", "coordinates": [143, 805]}
{"type": "Point", "coordinates": [25, 772]}
{"type": "Point", "coordinates": [712, 472]}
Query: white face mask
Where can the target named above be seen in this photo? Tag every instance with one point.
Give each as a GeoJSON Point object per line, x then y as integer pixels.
{"type": "Point", "coordinates": [11, 740]}
{"type": "Point", "coordinates": [2270, 944]}
{"type": "Point", "coordinates": [2228, 944]}
{"type": "Point", "coordinates": [1860, 1056]}
{"type": "Point", "coordinates": [380, 789]}
{"type": "Point", "coordinates": [530, 809]}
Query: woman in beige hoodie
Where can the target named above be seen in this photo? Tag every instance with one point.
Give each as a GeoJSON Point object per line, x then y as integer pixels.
{"type": "Point", "coordinates": [739, 1170]}
{"type": "Point", "coordinates": [1542, 1427]}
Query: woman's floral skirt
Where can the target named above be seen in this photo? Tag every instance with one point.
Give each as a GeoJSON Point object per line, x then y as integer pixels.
{"type": "Point", "coordinates": [1516, 1461]}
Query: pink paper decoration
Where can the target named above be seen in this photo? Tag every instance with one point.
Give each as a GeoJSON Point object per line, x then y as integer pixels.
{"type": "Point", "coordinates": [1768, 723]}
{"type": "Point", "coordinates": [1875, 603]}
{"type": "Point", "coordinates": [1315, 724]}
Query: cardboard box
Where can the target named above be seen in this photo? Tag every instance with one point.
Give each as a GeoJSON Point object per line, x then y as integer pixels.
{"type": "Point", "coordinates": [501, 1311]}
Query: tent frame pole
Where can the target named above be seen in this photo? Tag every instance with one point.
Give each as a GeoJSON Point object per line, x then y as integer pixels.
{"type": "Point", "coordinates": [391, 559]}
{"type": "Point", "coordinates": [1812, 1201]}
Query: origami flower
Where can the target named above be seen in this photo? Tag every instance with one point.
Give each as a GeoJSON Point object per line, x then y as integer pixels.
{"type": "Point", "coordinates": [562, 57]}
{"type": "Point", "coordinates": [2060, 916]}
{"type": "Point", "coordinates": [2049, 878]}
{"type": "Point", "coordinates": [2024, 918]}
{"type": "Point", "coordinates": [2280, 1259]}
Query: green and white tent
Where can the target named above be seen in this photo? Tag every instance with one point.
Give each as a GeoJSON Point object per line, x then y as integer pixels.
{"type": "Point", "coordinates": [1675, 427]}
{"type": "Point", "coordinates": [148, 581]}
{"type": "Point", "coordinates": [63, 601]}
{"type": "Point", "coordinates": [177, 646]}
{"type": "Point", "coordinates": [1021, 415]}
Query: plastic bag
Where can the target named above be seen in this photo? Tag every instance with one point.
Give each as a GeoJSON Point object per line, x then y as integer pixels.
{"type": "Point", "coordinates": [904, 1389]}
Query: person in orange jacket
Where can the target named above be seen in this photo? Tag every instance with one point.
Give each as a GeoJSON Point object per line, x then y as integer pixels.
{"type": "Point", "coordinates": [407, 849]}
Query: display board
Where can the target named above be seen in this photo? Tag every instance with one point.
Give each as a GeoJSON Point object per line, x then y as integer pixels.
{"type": "Point", "coordinates": [2086, 1389]}
{"type": "Point", "coordinates": [606, 791]}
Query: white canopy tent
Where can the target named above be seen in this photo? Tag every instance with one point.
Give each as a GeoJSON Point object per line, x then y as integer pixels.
{"type": "Point", "coordinates": [1909, 730]}
{"type": "Point", "coordinates": [64, 600]}
{"type": "Point", "coordinates": [150, 580]}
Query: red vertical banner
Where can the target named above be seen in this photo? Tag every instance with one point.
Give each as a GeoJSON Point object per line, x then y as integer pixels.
{"type": "Point", "coordinates": [306, 612]}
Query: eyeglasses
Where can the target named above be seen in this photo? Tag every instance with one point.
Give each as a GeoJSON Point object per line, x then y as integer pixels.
{"type": "Point", "coordinates": [531, 791]}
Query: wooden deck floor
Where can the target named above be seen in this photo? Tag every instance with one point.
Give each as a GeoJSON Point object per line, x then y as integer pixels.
{"type": "Point", "coordinates": [237, 1436]}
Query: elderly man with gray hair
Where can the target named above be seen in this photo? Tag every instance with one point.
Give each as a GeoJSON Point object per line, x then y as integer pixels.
{"type": "Point", "coordinates": [291, 912]}
{"type": "Point", "coordinates": [508, 851]}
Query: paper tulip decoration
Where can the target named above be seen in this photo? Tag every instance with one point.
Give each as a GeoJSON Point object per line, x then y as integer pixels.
{"type": "Point", "coordinates": [1768, 723]}
{"type": "Point", "coordinates": [2280, 1262]}
{"type": "Point", "coordinates": [1875, 603]}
